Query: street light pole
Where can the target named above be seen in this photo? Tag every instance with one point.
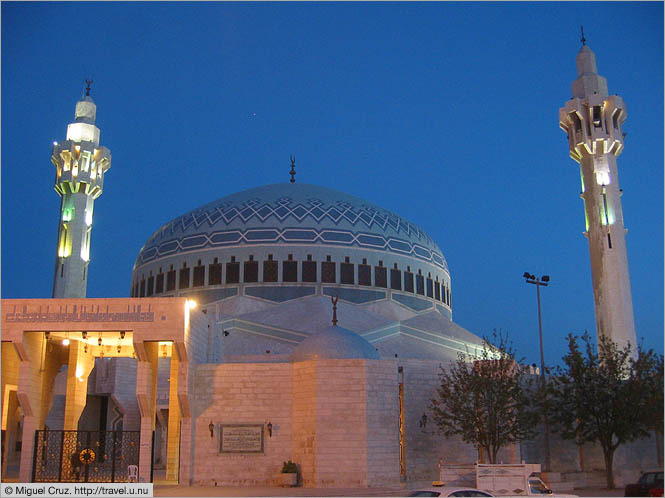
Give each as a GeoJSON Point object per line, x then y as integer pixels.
{"type": "Point", "coordinates": [538, 282]}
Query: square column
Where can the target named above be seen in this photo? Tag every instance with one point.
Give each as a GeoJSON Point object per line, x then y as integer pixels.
{"type": "Point", "coordinates": [10, 421]}
{"type": "Point", "coordinates": [181, 402]}
{"type": "Point", "coordinates": [147, 354]}
{"type": "Point", "coordinates": [173, 436]}
{"type": "Point", "coordinates": [8, 384]}
{"type": "Point", "coordinates": [79, 366]}
{"type": "Point", "coordinates": [39, 364]}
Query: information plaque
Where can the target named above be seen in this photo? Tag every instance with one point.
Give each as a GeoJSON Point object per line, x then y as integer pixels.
{"type": "Point", "coordinates": [241, 438]}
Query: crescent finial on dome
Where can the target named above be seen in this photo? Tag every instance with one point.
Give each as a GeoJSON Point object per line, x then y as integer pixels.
{"type": "Point", "coordinates": [293, 169]}
{"type": "Point", "coordinates": [334, 303]}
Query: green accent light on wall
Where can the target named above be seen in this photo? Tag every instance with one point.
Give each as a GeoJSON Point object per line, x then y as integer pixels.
{"type": "Point", "coordinates": [68, 214]}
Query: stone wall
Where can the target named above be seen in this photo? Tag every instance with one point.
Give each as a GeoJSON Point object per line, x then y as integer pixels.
{"type": "Point", "coordinates": [337, 419]}
{"type": "Point", "coordinates": [586, 466]}
{"type": "Point", "coordinates": [341, 423]}
{"type": "Point", "coordinates": [241, 394]}
{"type": "Point", "coordinates": [424, 446]}
{"type": "Point", "coordinates": [382, 424]}
{"type": "Point", "coordinates": [198, 336]}
{"type": "Point", "coordinates": [124, 395]}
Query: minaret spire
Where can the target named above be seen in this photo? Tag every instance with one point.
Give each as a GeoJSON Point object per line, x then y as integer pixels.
{"type": "Point", "coordinates": [593, 121]}
{"type": "Point", "coordinates": [583, 39]}
{"type": "Point", "coordinates": [80, 165]}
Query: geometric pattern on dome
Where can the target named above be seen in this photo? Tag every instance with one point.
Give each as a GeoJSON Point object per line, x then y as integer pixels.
{"type": "Point", "coordinates": [318, 222]}
{"type": "Point", "coordinates": [255, 210]}
{"type": "Point", "coordinates": [294, 235]}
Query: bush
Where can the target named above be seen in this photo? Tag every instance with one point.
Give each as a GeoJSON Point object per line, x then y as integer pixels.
{"type": "Point", "coordinates": [289, 468]}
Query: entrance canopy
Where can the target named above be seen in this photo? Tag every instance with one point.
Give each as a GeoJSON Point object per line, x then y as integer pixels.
{"type": "Point", "coordinates": [159, 319]}
{"type": "Point", "coordinates": [39, 336]}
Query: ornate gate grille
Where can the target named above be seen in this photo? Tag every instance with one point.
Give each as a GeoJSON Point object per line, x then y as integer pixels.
{"type": "Point", "coordinates": [84, 456]}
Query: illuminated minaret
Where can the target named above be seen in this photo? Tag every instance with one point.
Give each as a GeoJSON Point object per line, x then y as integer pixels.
{"type": "Point", "coordinates": [80, 165]}
{"type": "Point", "coordinates": [593, 120]}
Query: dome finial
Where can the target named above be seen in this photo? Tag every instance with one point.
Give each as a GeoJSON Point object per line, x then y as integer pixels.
{"type": "Point", "coordinates": [583, 39]}
{"type": "Point", "coordinates": [334, 303]}
{"type": "Point", "coordinates": [88, 82]}
{"type": "Point", "coordinates": [293, 169]}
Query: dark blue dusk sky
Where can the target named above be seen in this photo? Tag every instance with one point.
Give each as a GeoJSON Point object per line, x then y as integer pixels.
{"type": "Point", "coordinates": [444, 113]}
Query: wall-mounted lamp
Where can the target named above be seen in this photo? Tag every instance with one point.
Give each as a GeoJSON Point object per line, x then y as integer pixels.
{"type": "Point", "coordinates": [211, 428]}
{"type": "Point", "coordinates": [99, 341]}
{"type": "Point", "coordinates": [46, 335]}
{"type": "Point", "coordinates": [122, 334]}
{"type": "Point", "coordinates": [226, 333]}
{"type": "Point", "coordinates": [84, 335]}
{"type": "Point", "coordinates": [269, 427]}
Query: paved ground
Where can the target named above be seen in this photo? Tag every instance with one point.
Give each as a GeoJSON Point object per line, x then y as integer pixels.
{"type": "Point", "coordinates": [162, 490]}
{"type": "Point", "coordinates": [221, 491]}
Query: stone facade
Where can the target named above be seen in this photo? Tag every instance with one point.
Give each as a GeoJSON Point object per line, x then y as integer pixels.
{"type": "Point", "coordinates": [335, 418]}
{"type": "Point", "coordinates": [338, 419]}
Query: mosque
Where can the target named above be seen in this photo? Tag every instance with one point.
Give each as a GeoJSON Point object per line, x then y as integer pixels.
{"type": "Point", "coordinates": [285, 322]}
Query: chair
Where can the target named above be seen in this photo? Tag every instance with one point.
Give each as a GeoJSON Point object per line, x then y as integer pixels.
{"type": "Point", "coordinates": [132, 473]}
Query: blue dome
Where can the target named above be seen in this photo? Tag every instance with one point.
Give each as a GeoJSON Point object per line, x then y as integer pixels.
{"type": "Point", "coordinates": [291, 214]}
{"type": "Point", "coordinates": [334, 343]}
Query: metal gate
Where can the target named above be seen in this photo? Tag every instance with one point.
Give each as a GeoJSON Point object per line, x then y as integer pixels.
{"type": "Point", "coordinates": [84, 456]}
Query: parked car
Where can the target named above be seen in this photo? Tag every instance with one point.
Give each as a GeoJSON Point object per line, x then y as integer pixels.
{"type": "Point", "coordinates": [444, 491]}
{"type": "Point", "coordinates": [650, 482]}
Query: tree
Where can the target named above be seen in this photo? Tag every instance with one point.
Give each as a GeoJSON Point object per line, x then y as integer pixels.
{"type": "Point", "coordinates": [605, 397]}
{"type": "Point", "coordinates": [655, 409]}
{"type": "Point", "coordinates": [485, 399]}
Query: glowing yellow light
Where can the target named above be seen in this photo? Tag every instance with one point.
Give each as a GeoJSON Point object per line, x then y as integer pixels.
{"type": "Point", "coordinates": [88, 217]}
{"type": "Point", "coordinates": [79, 372]}
{"type": "Point", "coordinates": [64, 246]}
{"type": "Point", "coordinates": [603, 178]}
{"type": "Point", "coordinates": [190, 305]}
{"type": "Point", "coordinates": [65, 342]}
{"type": "Point", "coordinates": [55, 143]}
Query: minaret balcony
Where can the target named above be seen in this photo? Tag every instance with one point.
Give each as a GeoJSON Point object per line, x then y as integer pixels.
{"type": "Point", "coordinates": [596, 147]}
{"type": "Point", "coordinates": [593, 126]}
{"type": "Point", "coordinates": [80, 167]}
